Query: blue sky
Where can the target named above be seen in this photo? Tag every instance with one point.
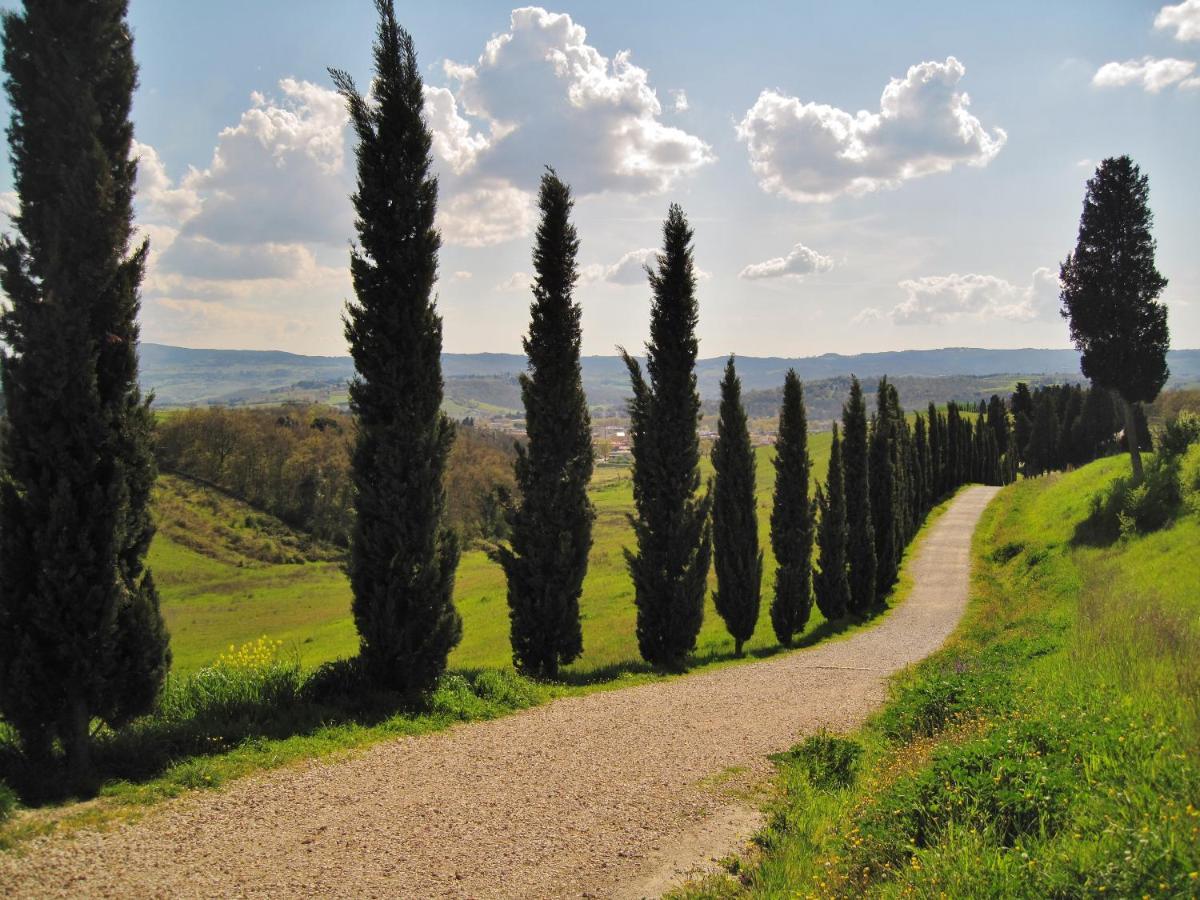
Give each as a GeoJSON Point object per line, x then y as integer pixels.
{"type": "Point", "coordinates": [866, 177]}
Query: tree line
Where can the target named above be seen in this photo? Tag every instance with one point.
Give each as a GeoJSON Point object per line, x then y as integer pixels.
{"type": "Point", "coordinates": [81, 634]}
{"type": "Point", "coordinates": [294, 462]}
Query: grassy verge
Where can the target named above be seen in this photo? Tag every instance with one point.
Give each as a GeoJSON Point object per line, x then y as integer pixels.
{"type": "Point", "coordinates": [1051, 749]}
{"type": "Point", "coordinates": [256, 708]}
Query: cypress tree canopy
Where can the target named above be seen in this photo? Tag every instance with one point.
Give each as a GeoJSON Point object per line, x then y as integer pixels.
{"type": "Point", "coordinates": [670, 567]}
{"type": "Point", "coordinates": [735, 520]}
{"type": "Point", "coordinates": [402, 556]}
{"type": "Point", "coordinates": [81, 636]}
{"type": "Point", "coordinates": [792, 516]}
{"type": "Point", "coordinates": [1110, 290]}
{"type": "Point", "coordinates": [831, 580]}
{"type": "Point", "coordinates": [552, 523]}
{"type": "Point", "coordinates": [861, 530]}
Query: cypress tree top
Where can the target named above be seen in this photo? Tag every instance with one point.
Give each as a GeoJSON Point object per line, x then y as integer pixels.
{"type": "Point", "coordinates": [792, 516]}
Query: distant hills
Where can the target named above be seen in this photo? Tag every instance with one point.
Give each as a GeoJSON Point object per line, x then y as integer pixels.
{"type": "Point", "coordinates": [487, 382]}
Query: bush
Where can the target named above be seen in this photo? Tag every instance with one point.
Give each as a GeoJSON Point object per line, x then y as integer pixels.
{"type": "Point", "coordinates": [828, 761]}
{"type": "Point", "coordinates": [1124, 510]}
{"type": "Point", "coordinates": [1180, 432]}
{"type": "Point", "coordinates": [8, 802]}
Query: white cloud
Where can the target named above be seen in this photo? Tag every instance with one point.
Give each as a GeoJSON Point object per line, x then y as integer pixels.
{"type": "Point", "coordinates": [812, 152]}
{"type": "Point", "coordinates": [936, 299]}
{"type": "Point", "coordinates": [492, 213]}
{"type": "Point", "coordinates": [10, 203]}
{"type": "Point", "coordinates": [462, 275]}
{"type": "Point", "coordinates": [545, 95]}
{"type": "Point", "coordinates": [628, 270]}
{"type": "Point", "coordinates": [160, 201]}
{"type": "Point", "coordinates": [197, 257]}
{"type": "Point", "coordinates": [1086, 163]}
{"type": "Point", "coordinates": [799, 262]}
{"type": "Point", "coordinates": [679, 100]}
{"type": "Point", "coordinates": [1183, 17]}
{"type": "Point", "coordinates": [515, 283]}
{"type": "Point", "coordinates": [1151, 74]}
{"type": "Point", "coordinates": [279, 175]}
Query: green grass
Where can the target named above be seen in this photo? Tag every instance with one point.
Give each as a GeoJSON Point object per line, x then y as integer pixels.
{"type": "Point", "coordinates": [1051, 749]}
{"type": "Point", "coordinates": [212, 598]}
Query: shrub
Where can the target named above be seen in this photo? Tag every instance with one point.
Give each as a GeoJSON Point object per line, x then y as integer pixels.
{"type": "Point", "coordinates": [1124, 510]}
{"type": "Point", "coordinates": [8, 801]}
{"type": "Point", "coordinates": [827, 760]}
{"type": "Point", "coordinates": [1179, 433]}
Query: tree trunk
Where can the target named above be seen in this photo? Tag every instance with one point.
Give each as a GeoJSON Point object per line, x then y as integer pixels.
{"type": "Point", "coordinates": [737, 647]}
{"type": "Point", "coordinates": [77, 744]}
{"type": "Point", "coordinates": [1132, 439]}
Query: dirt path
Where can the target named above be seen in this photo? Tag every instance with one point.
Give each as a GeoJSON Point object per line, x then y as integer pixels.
{"type": "Point", "coordinates": [582, 797]}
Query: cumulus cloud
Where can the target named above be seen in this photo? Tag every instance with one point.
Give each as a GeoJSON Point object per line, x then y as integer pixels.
{"type": "Point", "coordinates": [629, 269]}
{"type": "Point", "coordinates": [799, 262]}
{"type": "Point", "coordinates": [1151, 74]}
{"type": "Point", "coordinates": [197, 257]}
{"type": "Point", "coordinates": [936, 299]}
{"type": "Point", "coordinates": [160, 201]}
{"type": "Point", "coordinates": [491, 213]}
{"type": "Point", "coordinates": [679, 100]}
{"type": "Point", "coordinates": [279, 175]}
{"type": "Point", "coordinates": [1183, 17]}
{"type": "Point", "coordinates": [515, 283]}
{"type": "Point", "coordinates": [462, 275]}
{"type": "Point", "coordinates": [813, 152]}
{"type": "Point", "coordinates": [541, 92]}
{"type": "Point", "coordinates": [10, 203]}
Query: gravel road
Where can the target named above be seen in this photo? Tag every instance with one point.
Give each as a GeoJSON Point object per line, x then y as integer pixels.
{"type": "Point", "coordinates": [576, 798]}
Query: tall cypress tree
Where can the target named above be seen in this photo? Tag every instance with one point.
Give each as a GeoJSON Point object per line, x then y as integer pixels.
{"type": "Point", "coordinates": [792, 516]}
{"type": "Point", "coordinates": [551, 525]}
{"type": "Point", "coordinates": [81, 636]}
{"type": "Point", "coordinates": [921, 451]}
{"type": "Point", "coordinates": [674, 539]}
{"type": "Point", "coordinates": [1110, 290]}
{"type": "Point", "coordinates": [861, 530]}
{"type": "Point", "coordinates": [936, 455]}
{"type": "Point", "coordinates": [884, 493]}
{"type": "Point", "coordinates": [831, 581]}
{"type": "Point", "coordinates": [736, 556]}
{"type": "Point", "coordinates": [402, 554]}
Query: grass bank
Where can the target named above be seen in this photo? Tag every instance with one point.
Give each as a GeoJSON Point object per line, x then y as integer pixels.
{"type": "Point", "coordinates": [1051, 749]}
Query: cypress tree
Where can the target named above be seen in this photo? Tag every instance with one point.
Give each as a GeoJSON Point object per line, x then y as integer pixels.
{"type": "Point", "coordinates": [674, 537]}
{"type": "Point", "coordinates": [997, 417]}
{"type": "Point", "coordinates": [81, 635]}
{"type": "Point", "coordinates": [551, 525]}
{"type": "Point", "coordinates": [736, 556]}
{"type": "Point", "coordinates": [955, 456]}
{"type": "Point", "coordinates": [936, 455]}
{"type": "Point", "coordinates": [921, 451]}
{"type": "Point", "coordinates": [861, 531]}
{"type": "Point", "coordinates": [831, 581]}
{"type": "Point", "coordinates": [792, 516]}
{"type": "Point", "coordinates": [402, 554]}
{"type": "Point", "coordinates": [884, 499]}
{"type": "Point", "coordinates": [1043, 438]}
{"type": "Point", "coordinates": [1110, 290]}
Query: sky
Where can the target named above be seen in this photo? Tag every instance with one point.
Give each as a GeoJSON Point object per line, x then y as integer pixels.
{"type": "Point", "coordinates": [860, 176]}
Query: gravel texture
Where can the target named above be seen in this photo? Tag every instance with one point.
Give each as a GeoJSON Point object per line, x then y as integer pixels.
{"type": "Point", "coordinates": [577, 798]}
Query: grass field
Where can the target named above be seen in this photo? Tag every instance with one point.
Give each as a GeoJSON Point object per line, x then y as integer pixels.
{"type": "Point", "coordinates": [213, 597]}
{"type": "Point", "coordinates": [1051, 749]}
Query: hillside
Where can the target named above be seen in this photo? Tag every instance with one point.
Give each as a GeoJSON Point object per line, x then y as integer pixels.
{"type": "Point", "coordinates": [487, 381]}
{"type": "Point", "coordinates": [1050, 750]}
{"type": "Point", "coordinates": [229, 575]}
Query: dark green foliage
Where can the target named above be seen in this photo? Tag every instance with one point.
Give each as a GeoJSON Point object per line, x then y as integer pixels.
{"type": "Point", "coordinates": [831, 583]}
{"type": "Point", "coordinates": [997, 419]}
{"type": "Point", "coordinates": [1179, 433]}
{"type": "Point", "coordinates": [670, 566]}
{"type": "Point", "coordinates": [792, 517]}
{"type": "Point", "coordinates": [1110, 290]}
{"type": "Point", "coordinates": [1127, 507]}
{"type": "Point", "coordinates": [551, 525]}
{"type": "Point", "coordinates": [860, 551]}
{"type": "Point", "coordinates": [827, 760]}
{"type": "Point", "coordinates": [81, 636]}
{"type": "Point", "coordinates": [736, 556]}
{"type": "Point", "coordinates": [887, 514]}
{"type": "Point", "coordinates": [403, 556]}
